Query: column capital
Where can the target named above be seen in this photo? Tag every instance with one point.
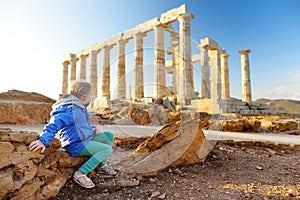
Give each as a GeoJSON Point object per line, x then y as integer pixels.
{"type": "Point", "coordinates": [108, 47]}
{"type": "Point", "coordinates": [203, 46]}
{"type": "Point", "coordinates": [73, 60]}
{"type": "Point", "coordinates": [140, 34]}
{"type": "Point", "coordinates": [66, 62]}
{"type": "Point", "coordinates": [225, 55]}
{"type": "Point", "coordinates": [83, 56]}
{"type": "Point", "coordinates": [95, 51]}
{"type": "Point", "coordinates": [122, 41]}
{"type": "Point", "coordinates": [244, 51]}
{"type": "Point", "coordinates": [185, 17]}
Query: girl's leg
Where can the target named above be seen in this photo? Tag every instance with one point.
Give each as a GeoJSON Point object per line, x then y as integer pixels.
{"type": "Point", "coordinates": [99, 152]}
{"type": "Point", "coordinates": [104, 137]}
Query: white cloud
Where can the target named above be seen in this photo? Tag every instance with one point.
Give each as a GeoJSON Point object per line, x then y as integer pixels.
{"type": "Point", "coordinates": [289, 89]}
{"type": "Point", "coordinates": [295, 77]}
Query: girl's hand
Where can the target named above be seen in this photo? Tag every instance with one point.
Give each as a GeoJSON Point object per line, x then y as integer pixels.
{"type": "Point", "coordinates": [96, 132]}
{"type": "Point", "coordinates": [36, 145]}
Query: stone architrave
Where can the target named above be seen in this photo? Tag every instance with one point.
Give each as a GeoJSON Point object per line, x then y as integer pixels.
{"type": "Point", "coordinates": [138, 66]}
{"type": "Point", "coordinates": [175, 60]}
{"type": "Point", "coordinates": [121, 73]}
{"type": "Point", "coordinates": [105, 74]}
{"type": "Point", "coordinates": [73, 61]}
{"type": "Point", "coordinates": [225, 77]}
{"type": "Point", "coordinates": [186, 80]}
{"type": "Point", "coordinates": [94, 71]}
{"type": "Point", "coordinates": [159, 63]}
{"type": "Point", "coordinates": [246, 82]}
{"type": "Point", "coordinates": [215, 80]}
{"type": "Point", "coordinates": [205, 72]}
{"type": "Point", "coordinates": [65, 81]}
{"type": "Point", "coordinates": [82, 75]}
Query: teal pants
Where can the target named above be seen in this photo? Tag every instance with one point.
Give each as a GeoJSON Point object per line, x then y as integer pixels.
{"type": "Point", "coordinates": [99, 148]}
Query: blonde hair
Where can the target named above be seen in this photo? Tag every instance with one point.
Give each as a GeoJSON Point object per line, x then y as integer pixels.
{"type": "Point", "coordinates": [80, 88]}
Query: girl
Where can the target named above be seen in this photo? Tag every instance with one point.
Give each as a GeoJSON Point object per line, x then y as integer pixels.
{"type": "Point", "coordinates": [69, 118]}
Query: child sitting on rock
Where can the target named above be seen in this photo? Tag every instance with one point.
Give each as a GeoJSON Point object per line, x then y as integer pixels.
{"type": "Point", "coordinates": [70, 120]}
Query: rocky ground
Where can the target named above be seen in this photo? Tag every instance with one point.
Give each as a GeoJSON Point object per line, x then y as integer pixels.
{"type": "Point", "coordinates": [231, 171]}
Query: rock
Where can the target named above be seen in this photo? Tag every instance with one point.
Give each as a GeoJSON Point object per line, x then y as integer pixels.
{"type": "Point", "coordinates": [155, 194]}
{"type": "Point", "coordinates": [128, 183]}
{"type": "Point", "coordinates": [174, 144]}
{"type": "Point", "coordinates": [24, 113]}
{"type": "Point", "coordinates": [30, 175]}
{"type": "Point", "coordinates": [162, 196]}
{"type": "Point", "coordinates": [139, 116]}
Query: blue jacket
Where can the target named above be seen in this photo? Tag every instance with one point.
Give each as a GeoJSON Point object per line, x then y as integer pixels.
{"type": "Point", "coordinates": [70, 120]}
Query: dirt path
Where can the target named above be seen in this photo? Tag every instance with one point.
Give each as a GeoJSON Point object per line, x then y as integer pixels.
{"type": "Point", "coordinates": [232, 171]}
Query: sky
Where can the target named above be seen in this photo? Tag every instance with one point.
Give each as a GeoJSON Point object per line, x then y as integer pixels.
{"type": "Point", "coordinates": [36, 34]}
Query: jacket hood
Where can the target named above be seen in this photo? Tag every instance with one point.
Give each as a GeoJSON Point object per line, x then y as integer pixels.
{"type": "Point", "coordinates": [64, 101]}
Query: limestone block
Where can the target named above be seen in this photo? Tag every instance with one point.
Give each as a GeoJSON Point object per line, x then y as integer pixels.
{"type": "Point", "coordinates": [128, 34]}
{"type": "Point", "coordinates": [6, 183]}
{"type": "Point", "coordinates": [212, 44]}
{"type": "Point", "coordinates": [101, 102]}
{"type": "Point", "coordinates": [233, 125]}
{"type": "Point", "coordinates": [174, 144]}
{"type": "Point", "coordinates": [28, 191]}
{"type": "Point", "coordinates": [30, 175]}
{"type": "Point", "coordinates": [252, 125]}
{"type": "Point", "coordinates": [201, 105]}
{"type": "Point", "coordinates": [22, 137]}
{"type": "Point", "coordinates": [27, 169]}
{"type": "Point", "coordinates": [139, 116]}
{"type": "Point", "coordinates": [147, 100]}
{"type": "Point", "coordinates": [114, 39]}
{"type": "Point", "coordinates": [149, 24]}
{"type": "Point", "coordinates": [173, 14]}
{"type": "Point", "coordinates": [6, 147]}
{"type": "Point", "coordinates": [53, 188]}
{"type": "Point", "coordinates": [98, 46]}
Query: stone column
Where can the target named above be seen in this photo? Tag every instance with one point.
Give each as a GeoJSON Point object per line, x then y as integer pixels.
{"type": "Point", "coordinates": [121, 73]}
{"type": "Point", "coordinates": [73, 61]}
{"type": "Point", "coordinates": [82, 75]}
{"type": "Point", "coordinates": [225, 77]}
{"type": "Point", "coordinates": [65, 81]}
{"type": "Point", "coordinates": [215, 81]}
{"type": "Point", "coordinates": [138, 66]}
{"type": "Point", "coordinates": [94, 72]}
{"type": "Point", "coordinates": [246, 82]}
{"type": "Point", "coordinates": [175, 60]}
{"type": "Point", "coordinates": [159, 64]}
{"type": "Point", "coordinates": [205, 72]}
{"type": "Point", "coordinates": [186, 80]}
{"type": "Point", "coordinates": [105, 74]}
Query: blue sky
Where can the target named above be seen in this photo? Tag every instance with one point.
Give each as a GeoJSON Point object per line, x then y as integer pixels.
{"type": "Point", "coordinates": [36, 34]}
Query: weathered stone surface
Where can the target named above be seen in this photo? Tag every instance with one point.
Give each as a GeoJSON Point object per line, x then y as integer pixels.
{"type": "Point", "coordinates": [278, 126]}
{"type": "Point", "coordinates": [23, 113]}
{"type": "Point", "coordinates": [177, 143]}
{"type": "Point", "coordinates": [18, 107]}
{"type": "Point", "coordinates": [139, 116]}
{"type": "Point", "coordinates": [30, 175]}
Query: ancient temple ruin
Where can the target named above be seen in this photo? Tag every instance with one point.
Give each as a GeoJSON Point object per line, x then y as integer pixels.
{"type": "Point", "coordinates": [215, 82]}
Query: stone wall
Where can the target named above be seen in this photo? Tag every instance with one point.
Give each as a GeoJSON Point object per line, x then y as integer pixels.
{"type": "Point", "coordinates": [30, 175]}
